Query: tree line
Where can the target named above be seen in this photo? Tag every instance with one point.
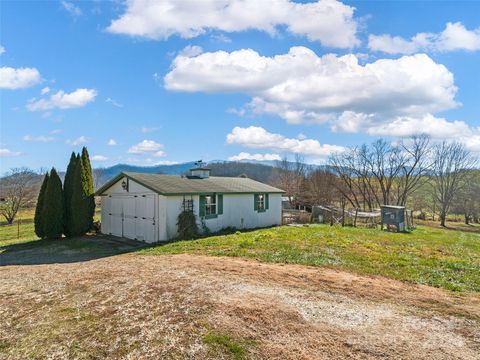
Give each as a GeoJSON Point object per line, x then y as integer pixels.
{"type": "Point", "coordinates": [66, 210]}
{"type": "Point", "coordinates": [384, 173]}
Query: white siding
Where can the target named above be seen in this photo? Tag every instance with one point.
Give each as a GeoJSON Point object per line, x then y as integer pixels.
{"type": "Point", "coordinates": [132, 214]}
{"type": "Point", "coordinates": [238, 211]}
{"type": "Point", "coordinates": [131, 206]}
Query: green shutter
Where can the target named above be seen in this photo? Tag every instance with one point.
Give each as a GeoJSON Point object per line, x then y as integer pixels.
{"type": "Point", "coordinates": [255, 202]}
{"type": "Point", "coordinates": [266, 201]}
{"type": "Point", "coordinates": [220, 204]}
{"type": "Point", "coordinates": [201, 205]}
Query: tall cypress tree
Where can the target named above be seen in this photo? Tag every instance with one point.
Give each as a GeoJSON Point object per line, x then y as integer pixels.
{"type": "Point", "coordinates": [53, 207]}
{"type": "Point", "coordinates": [79, 205]}
{"type": "Point", "coordinates": [68, 191]}
{"type": "Point", "coordinates": [88, 188]}
{"type": "Point", "coordinates": [38, 219]}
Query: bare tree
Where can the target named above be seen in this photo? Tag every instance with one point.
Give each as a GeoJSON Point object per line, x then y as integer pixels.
{"type": "Point", "coordinates": [467, 201]}
{"type": "Point", "coordinates": [98, 174]}
{"type": "Point", "coordinates": [18, 190]}
{"type": "Point", "coordinates": [412, 173]}
{"type": "Point", "coordinates": [289, 176]}
{"type": "Point", "coordinates": [451, 162]}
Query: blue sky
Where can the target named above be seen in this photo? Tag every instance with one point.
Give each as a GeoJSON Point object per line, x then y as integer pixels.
{"type": "Point", "coordinates": [137, 83]}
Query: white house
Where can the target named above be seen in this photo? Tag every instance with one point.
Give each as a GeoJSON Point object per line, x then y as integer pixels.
{"type": "Point", "coordinates": [146, 206]}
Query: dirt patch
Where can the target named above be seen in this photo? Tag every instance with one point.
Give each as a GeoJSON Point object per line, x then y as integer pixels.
{"type": "Point", "coordinates": [198, 307]}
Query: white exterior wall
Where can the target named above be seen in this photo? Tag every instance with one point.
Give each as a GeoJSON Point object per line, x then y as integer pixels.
{"type": "Point", "coordinates": [118, 202]}
{"type": "Point", "coordinates": [238, 211]}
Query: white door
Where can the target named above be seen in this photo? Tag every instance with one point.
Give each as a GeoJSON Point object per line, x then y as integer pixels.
{"type": "Point", "coordinates": [106, 210]}
{"type": "Point", "coordinates": [129, 216]}
{"type": "Point", "coordinates": [116, 216]}
{"type": "Point", "coordinates": [145, 222]}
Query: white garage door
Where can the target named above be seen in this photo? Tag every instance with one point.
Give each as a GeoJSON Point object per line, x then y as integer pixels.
{"type": "Point", "coordinates": [129, 216]}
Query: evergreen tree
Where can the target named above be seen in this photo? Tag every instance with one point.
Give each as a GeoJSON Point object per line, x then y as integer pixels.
{"type": "Point", "coordinates": [53, 207]}
{"type": "Point", "coordinates": [68, 191]}
{"type": "Point", "coordinates": [38, 219]}
{"type": "Point", "coordinates": [88, 188]}
{"type": "Point", "coordinates": [79, 206]}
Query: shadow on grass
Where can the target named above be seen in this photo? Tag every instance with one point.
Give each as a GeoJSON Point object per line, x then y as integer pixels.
{"type": "Point", "coordinates": [65, 250]}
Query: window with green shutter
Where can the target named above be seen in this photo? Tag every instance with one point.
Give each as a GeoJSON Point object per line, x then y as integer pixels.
{"type": "Point", "coordinates": [210, 205]}
{"type": "Point", "coordinates": [220, 204]}
{"type": "Point", "coordinates": [260, 202]}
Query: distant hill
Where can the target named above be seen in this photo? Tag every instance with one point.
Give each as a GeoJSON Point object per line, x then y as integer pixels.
{"type": "Point", "coordinates": [260, 172]}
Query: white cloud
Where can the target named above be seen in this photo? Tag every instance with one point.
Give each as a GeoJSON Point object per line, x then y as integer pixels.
{"type": "Point", "coordinates": [71, 8]}
{"type": "Point", "coordinates": [257, 157]}
{"type": "Point", "coordinates": [454, 37]}
{"type": "Point", "coordinates": [437, 128]}
{"type": "Point", "coordinates": [329, 22]}
{"type": "Point", "coordinates": [2, 50]}
{"type": "Point", "coordinates": [99, 158]}
{"type": "Point", "coordinates": [165, 162]}
{"type": "Point", "coordinates": [111, 142]}
{"type": "Point", "coordinates": [78, 141]}
{"type": "Point", "coordinates": [113, 102]}
{"type": "Point", "coordinates": [149, 147]}
{"type": "Point", "coordinates": [40, 138]}
{"type": "Point", "coordinates": [55, 131]}
{"type": "Point", "coordinates": [258, 138]}
{"type": "Point", "coordinates": [302, 87]}
{"type": "Point", "coordinates": [191, 50]}
{"type": "Point", "coordinates": [63, 100]}
{"type": "Point", "coordinates": [11, 78]}
{"type": "Point", "coordinates": [45, 90]}
{"type": "Point", "coordinates": [9, 153]}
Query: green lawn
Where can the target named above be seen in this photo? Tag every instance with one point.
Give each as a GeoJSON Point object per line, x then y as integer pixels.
{"type": "Point", "coordinates": [437, 257]}
{"type": "Point", "coordinates": [429, 255]}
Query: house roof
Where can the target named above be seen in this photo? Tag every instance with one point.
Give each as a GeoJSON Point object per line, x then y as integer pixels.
{"type": "Point", "coordinates": [176, 185]}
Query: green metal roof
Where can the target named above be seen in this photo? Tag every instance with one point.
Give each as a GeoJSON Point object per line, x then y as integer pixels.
{"type": "Point", "coordinates": [177, 185]}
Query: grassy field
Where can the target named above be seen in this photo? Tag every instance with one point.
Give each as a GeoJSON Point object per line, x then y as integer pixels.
{"type": "Point", "coordinates": [430, 255]}
{"type": "Point", "coordinates": [436, 257]}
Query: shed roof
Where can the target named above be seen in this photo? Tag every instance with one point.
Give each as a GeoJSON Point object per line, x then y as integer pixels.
{"type": "Point", "coordinates": [176, 185]}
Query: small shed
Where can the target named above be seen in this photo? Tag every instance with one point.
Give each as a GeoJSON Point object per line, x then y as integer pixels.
{"type": "Point", "coordinates": [396, 218]}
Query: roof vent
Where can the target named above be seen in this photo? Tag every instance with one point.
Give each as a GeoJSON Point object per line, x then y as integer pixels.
{"type": "Point", "coordinates": [200, 171]}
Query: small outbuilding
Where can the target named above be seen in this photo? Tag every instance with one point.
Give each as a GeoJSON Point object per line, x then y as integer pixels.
{"type": "Point", "coordinates": [396, 218]}
{"type": "Point", "coordinates": [146, 206]}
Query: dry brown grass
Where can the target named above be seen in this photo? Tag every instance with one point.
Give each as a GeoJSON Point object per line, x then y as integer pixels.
{"type": "Point", "coordinates": [198, 307]}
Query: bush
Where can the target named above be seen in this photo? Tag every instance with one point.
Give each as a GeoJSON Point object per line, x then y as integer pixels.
{"type": "Point", "coordinates": [187, 226]}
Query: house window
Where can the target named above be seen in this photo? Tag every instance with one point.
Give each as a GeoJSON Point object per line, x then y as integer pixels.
{"type": "Point", "coordinates": [261, 202]}
{"type": "Point", "coordinates": [210, 205]}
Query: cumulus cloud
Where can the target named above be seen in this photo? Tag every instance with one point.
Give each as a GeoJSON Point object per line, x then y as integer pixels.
{"type": "Point", "coordinates": [78, 141]}
{"type": "Point", "coordinates": [329, 22]}
{"type": "Point", "coordinates": [454, 37]}
{"type": "Point", "coordinates": [45, 90]}
{"type": "Point", "coordinates": [300, 86]}
{"type": "Point", "coordinates": [40, 138]}
{"type": "Point", "coordinates": [99, 158]}
{"type": "Point", "coordinates": [255, 137]}
{"type": "Point", "coordinates": [112, 142]}
{"type": "Point", "coordinates": [2, 50]}
{"type": "Point", "coordinates": [63, 100]}
{"type": "Point", "coordinates": [148, 147]}
{"type": "Point", "coordinates": [11, 78]}
{"type": "Point", "coordinates": [4, 152]}
{"type": "Point", "coordinates": [257, 157]}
